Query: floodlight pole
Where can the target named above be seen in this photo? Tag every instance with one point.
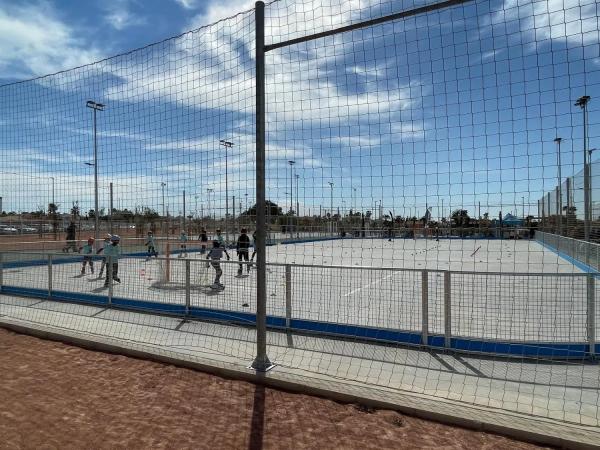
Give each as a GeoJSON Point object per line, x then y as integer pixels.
{"type": "Point", "coordinates": [95, 107]}
{"type": "Point", "coordinates": [261, 362]}
{"type": "Point", "coordinates": [162, 186]}
{"type": "Point", "coordinates": [209, 190]}
{"type": "Point", "coordinates": [52, 178]}
{"type": "Point", "coordinates": [291, 163]}
{"type": "Point", "coordinates": [297, 208]}
{"type": "Point", "coordinates": [559, 199]}
{"type": "Point", "coordinates": [331, 205]}
{"type": "Point", "coordinates": [227, 145]}
{"type": "Point", "coordinates": [582, 103]}
{"type": "Point", "coordinates": [184, 210]}
{"type": "Point", "coordinates": [110, 208]}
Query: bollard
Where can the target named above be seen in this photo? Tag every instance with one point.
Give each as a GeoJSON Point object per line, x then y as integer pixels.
{"type": "Point", "coordinates": [447, 311]}
{"type": "Point", "coordinates": [424, 307]}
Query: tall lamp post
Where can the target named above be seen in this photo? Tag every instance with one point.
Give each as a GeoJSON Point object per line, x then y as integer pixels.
{"type": "Point", "coordinates": [227, 145]}
{"type": "Point", "coordinates": [297, 207]}
{"type": "Point", "coordinates": [331, 205]}
{"type": "Point", "coordinates": [209, 191]}
{"type": "Point", "coordinates": [291, 163]}
{"type": "Point", "coordinates": [162, 187]}
{"type": "Point", "coordinates": [559, 200]}
{"type": "Point", "coordinates": [95, 107]}
{"type": "Point", "coordinates": [52, 178]}
{"type": "Point", "coordinates": [582, 103]}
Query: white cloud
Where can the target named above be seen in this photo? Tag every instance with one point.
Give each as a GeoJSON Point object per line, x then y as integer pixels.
{"type": "Point", "coordinates": [119, 16]}
{"type": "Point", "coordinates": [218, 11]}
{"type": "Point", "coordinates": [35, 42]}
{"type": "Point", "coordinates": [552, 19]}
{"type": "Point", "coordinates": [122, 18]}
{"type": "Point", "coordinates": [187, 4]}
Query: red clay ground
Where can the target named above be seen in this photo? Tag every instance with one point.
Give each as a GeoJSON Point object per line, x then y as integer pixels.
{"type": "Point", "coordinates": [56, 396]}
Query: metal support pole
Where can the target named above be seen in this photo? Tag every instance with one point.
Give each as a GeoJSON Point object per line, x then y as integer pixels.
{"type": "Point", "coordinates": [1, 271]}
{"type": "Point", "coordinates": [559, 203]}
{"type": "Point", "coordinates": [49, 276]}
{"type": "Point", "coordinates": [261, 362]}
{"type": "Point", "coordinates": [297, 209]}
{"type": "Point", "coordinates": [226, 200]}
{"type": "Point", "coordinates": [447, 311]}
{"type": "Point", "coordinates": [424, 307]}
{"type": "Point", "coordinates": [557, 191]}
{"type": "Point", "coordinates": [288, 295]}
{"type": "Point", "coordinates": [96, 223]}
{"type": "Point", "coordinates": [110, 209]}
{"type": "Point", "coordinates": [591, 314]}
{"type": "Point", "coordinates": [109, 273]}
{"type": "Point", "coordinates": [183, 210]}
{"type": "Point", "coordinates": [187, 286]}
{"type": "Point", "coordinates": [162, 187]}
{"type": "Point", "coordinates": [582, 103]}
{"type": "Point", "coordinates": [233, 218]}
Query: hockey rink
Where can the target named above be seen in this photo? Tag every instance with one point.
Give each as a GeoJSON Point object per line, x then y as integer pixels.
{"type": "Point", "coordinates": [514, 290]}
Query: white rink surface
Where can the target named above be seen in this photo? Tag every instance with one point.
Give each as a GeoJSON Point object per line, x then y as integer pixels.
{"type": "Point", "coordinates": [502, 305]}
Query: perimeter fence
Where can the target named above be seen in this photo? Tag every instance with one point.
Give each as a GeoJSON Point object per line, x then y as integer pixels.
{"type": "Point", "coordinates": [388, 157]}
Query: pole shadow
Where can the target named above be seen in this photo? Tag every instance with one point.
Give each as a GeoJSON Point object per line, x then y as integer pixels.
{"type": "Point", "coordinates": [257, 426]}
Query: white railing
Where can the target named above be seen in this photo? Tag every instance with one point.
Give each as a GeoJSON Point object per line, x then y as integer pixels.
{"type": "Point", "coordinates": [586, 253]}
{"type": "Point", "coordinates": [442, 304]}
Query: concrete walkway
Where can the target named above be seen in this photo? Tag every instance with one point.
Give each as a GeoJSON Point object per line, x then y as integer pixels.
{"type": "Point", "coordinates": [531, 398]}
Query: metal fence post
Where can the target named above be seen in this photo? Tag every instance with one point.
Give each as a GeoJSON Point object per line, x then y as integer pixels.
{"type": "Point", "coordinates": [1, 270]}
{"type": "Point", "coordinates": [49, 276]}
{"type": "Point", "coordinates": [447, 311]}
{"type": "Point", "coordinates": [109, 274]}
{"type": "Point", "coordinates": [187, 286]}
{"type": "Point", "coordinates": [261, 362]}
{"type": "Point", "coordinates": [424, 307]}
{"type": "Point", "coordinates": [591, 313]}
{"type": "Point", "coordinates": [288, 295]}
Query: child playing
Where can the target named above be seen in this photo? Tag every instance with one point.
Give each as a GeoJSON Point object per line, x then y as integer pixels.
{"type": "Point", "coordinates": [87, 250]}
{"type": "Point", "coordinates": [253, 251]}
{"type": "Point", "coordinates": [71, 242]}
{"type": "Point", "coordinates": [243, 245]}
{"type": "Point", "coordinates": [203, 240]}
{"type": "Point", "coordinates": [150, 243]}
{"type": "Point", "coordinates": [215, 255]}
{"type": "Point", "coordinates": [100, 250]}
{"type": "Point", "coordinates": [183, 244]}
{"type": "Point", "coordinates": [112, 253]}
{"type": "Point", "coordinates": [220, 238]}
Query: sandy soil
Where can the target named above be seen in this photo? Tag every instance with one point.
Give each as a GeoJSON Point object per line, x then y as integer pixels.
{"type": "Point", "coordinates": [56, 396]}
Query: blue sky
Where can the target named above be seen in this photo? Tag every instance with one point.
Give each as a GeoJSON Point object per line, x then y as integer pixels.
{"type": "Point", "coordinates": [457, 107]}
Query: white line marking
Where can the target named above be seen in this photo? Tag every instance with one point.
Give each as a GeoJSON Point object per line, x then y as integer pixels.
{"type": "Point", "coordinates": [367, 285]}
